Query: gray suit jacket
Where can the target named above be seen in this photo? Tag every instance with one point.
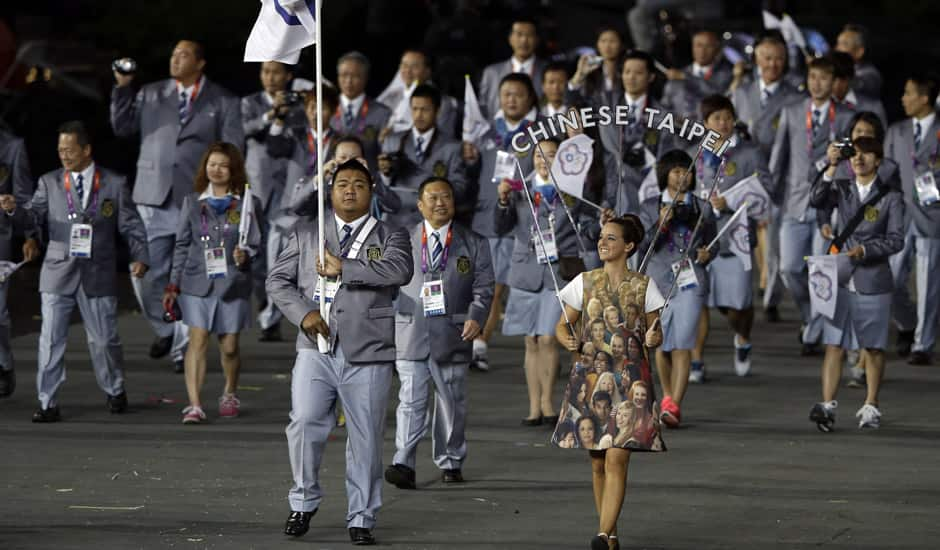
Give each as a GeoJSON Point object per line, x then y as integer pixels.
{"type": "Point", "coordinates": [468, 293]}
{"type": "Point", "coordinates": [266, 173]}
{"type": "Point", "coordinates": [792, 169]}
{"type": "Point", "coordinates": [683, 97]}
{"type": "Point", "coordinates": [742, 161]}
{"type": "Point", "coordinates": [867, 79]}
{"type": "Point", "coordinates": [16, 180]}
{"type": "Point", "coordinates": [525, 272]}
{"type": "Point", "coordinates": [624, 198]}
{"type": "Point", "coordinates": [484, 193]}
{"type": "Point", "coordinates": [866, 103]}
{"type": "Point", "coordinates": [665, 251]}
{"type": "Point", "coordinates": [881, 237]}
{"type": "Point", "coordinates": [493, 74]}
{"type": "Point", "coordinates": [366, 129]}
{"type": "Point", "coordinates": [189, 265]}
{"type": "Point", "coordinates": [61, 273]}
{"type": "Point", "coordinates": [170, 153]}
{"type": "Point", "coordinates": [442, 157]}
{"type": "Point", "coordinates": [899, 143]}
{"type": "Point", "coordinates": [362, 317]}
{"type": "Point", "coordinates": [762, 122]}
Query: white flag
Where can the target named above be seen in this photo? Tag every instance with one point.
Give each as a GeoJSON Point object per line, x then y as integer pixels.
{"type": "Point", "coordinates": [771, 21]}
{"type": "Point", "coordinates": [737, 229]}
{"type": "Point", "coordinates": [751, 191]}
{"type": "Point", "coordinates": [791, 33]}
{"type": "Point", "coordinates": [401, 116]}
{"type": "Point", "coordinates": [244, 224]}
{"type": "Point", "coordinates": [393, 92]}
{"type": "Point", "coordinates": [474, 125]}
{"type": "Point", "coordinates": [823, 284]}
{"type": "Point", "coordinates": [283, 28]}
{"type": "Point", "coordinates": [649, 188]}
{"type": "Point", "coordinates": [571, 164]}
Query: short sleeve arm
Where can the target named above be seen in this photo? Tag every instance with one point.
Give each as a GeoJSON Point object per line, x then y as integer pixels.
{"type": "Point", "coordinates": [654, 298]}
{"type": "Point", "coordinates": [573, 293]}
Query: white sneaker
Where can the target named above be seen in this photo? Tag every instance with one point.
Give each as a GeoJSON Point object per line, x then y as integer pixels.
{"type": "Point", "coordinates": [742, 358]}
{"type": "Point", "coordinates": [697, 373]}
{"type": "Point", "coordinates": [868, 417]}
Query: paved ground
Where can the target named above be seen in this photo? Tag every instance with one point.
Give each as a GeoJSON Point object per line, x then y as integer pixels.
{"type": "Point", "coordinates": [748, 470]}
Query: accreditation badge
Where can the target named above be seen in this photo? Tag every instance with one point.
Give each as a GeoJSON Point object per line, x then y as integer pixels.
{"type": "Point", "coordinates": [374, 253]}
{"type": "Point", "coordinates": [432, 297]}
{"type": "Point", "coordinates": [216, 266]}
{"type": "Point", "coordinates": [440, 169]}
{"type": "Point", "coordinates": [80, 239]}
{"type": "Point", "coordinates": [871, 214]}
{"type": "Point", "coordinates": [463, 265]}
{"type": "Point", "coordinates": [107, 208]}
{"type": "Point", "coordinates": [731, 168]}
{"type": "Point", "coordinates": [234, 216]}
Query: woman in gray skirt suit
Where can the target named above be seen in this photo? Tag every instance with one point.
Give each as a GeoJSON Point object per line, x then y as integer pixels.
{"type": "Point", "coordinates": [211, 276]}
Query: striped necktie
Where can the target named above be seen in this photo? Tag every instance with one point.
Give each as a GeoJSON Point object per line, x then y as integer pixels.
{"type": "Point", "coordinates": [918, 135]}
{"type": "Point", "coordinates": [349, 116]}
{"type": "Point", "coordinates": [816, 124]}
{"type": "Point", "coordinates": [419, 149]}
{"type": "Point", "coordinates": [438, 250]}
{"type": "Point", "coordinates": [80, 188]}
{"type": "Point", "coordinates": [184, 106]}
{"type": "Point", "coordinates": [347, 234]}
{"type": "Point", "coordinates": [765, 96]}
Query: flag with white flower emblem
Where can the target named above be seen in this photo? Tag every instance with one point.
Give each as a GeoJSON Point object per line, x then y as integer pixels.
{"type": "Point", "coordinates": [571, 164]}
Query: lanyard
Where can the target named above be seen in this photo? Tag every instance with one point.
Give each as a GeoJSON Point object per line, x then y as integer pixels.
{"type": "Point", "coordinates": [312, 149]}
{"type": "Point", "coordinates": [551, 215]}
{"type": "Point", "coordinates": [933, 157]}
{"type": "Point", "coordinates": [809, 126]}
{"type": "Point", "coordinates": [424, 248]}
{"type": "Point", "coordinates": [94, 195]}
{"type": "Point", "coordinates": [192, 97]}
{"type": "Point", "coordinates": [204, 222]}
{"type": "Point", "coordinates": [363, 113]}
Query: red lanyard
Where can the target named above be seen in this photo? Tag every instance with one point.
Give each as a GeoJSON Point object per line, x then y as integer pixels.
{"type": "Point", "coordinates": [94, 195]}
{"type": "Point", "coordinates": [363, 113]}
{"type": "Point", "coordinates": [312, 146]}
{"type": "Point", "coordinates": [205, 224]}
{"type": "Point", "coordinates": [192, 96]}
{"type": "Point", "coordinates": [809, 126]}
{"type": "Point", "coordinates": [424, 248]}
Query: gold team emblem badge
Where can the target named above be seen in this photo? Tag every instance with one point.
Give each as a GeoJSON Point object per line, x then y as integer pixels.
{"type": "Point", "coordinates": [440, 169]}
{"type": "Point", "coordinates": [4, 172]}
{"type": "Point", "coordinates": [463, 265]}
{"type": "Point", "coordinates": [234, 216]}
{"type": "Point", "coordinates": [775, 122]}
{"type": "Point", "coordinates": [871, 214]}
{"type": "Point", "coordinates": [107, 208]}
{"type": "Point", "coordinates": [651, 138]}
{"type": "Point", "coordinates": [731, 168]}
{"type": "Point", "coordinates": [374, 253]}
{"type": "Point", "coordinates": [369, 133]}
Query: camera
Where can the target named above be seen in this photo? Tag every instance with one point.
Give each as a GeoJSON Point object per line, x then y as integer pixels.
{"type": "Point", "coordinates": [846, 149]}
{"type": "Point", "coordinates": [293, 98]}
{"type": "Point", "coordinates": [124, 65]}
{"type": "Point", "coordinates": [684, 212]}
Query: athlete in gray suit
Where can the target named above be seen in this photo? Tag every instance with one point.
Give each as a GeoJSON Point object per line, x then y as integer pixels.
{"type": "Point", "coordinates": [798, 158]}
{"type": "Point", "coordinates": [433, 345]}
{"type": "Point", "coordinates": [523, 39]}
{"type": "Point", "coordinates": [371, 261]}
{"type": "Point", "coordinates": [709, 73]}
{"type": "Point", "coordinates": [359, 115]}
{"type": "Point", "coordinates": [16, 189]}
{"type": "Point", "coordinates": [410, 157]}
{"type": "Point", "coordinates": [83, 204]}
{"type": "Point", "coordinates": [177, 119]}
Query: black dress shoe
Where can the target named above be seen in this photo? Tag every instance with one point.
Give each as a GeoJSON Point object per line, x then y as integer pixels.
{"type": "Point", "coordinates": [7, 382]}
{"type": "Point", "coordinates": [117, 403]}
{"type": "Point", "coordinates": [179, 367]}
{"type": "Point", "coordinates": [360, 536]}
{"type": "Point", "coordinates": [532, 421]}
{"type": "Point", "coordinates": [809, 350]}
{"type": "Point", "coordinates": [919, 358]}
{"type": "Point", "coordinates": [452, 476]}
{"type": "Point", "coordinates": [47, 415]}
{"type": "Point", "coordinates": [160, 347]}
{"type": "Point", "coordinates": [298, 523]}
{"type": "Point", "coordinates": [771, 314]}
{"type": "Point", "coordinates": [550, 420]}
{"type": "Point", "coordinates": [904, 342]}
{"type": "Point", "coordinates": [271, 334]}
{"type": "Point", "coordinates": [400, 476]}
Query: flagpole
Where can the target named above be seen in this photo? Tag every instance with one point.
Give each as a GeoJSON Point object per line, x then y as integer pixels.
{"type": "Point", "coordinates": [551, 177]}
{"type": "Point", "coordinates": [322, 343]}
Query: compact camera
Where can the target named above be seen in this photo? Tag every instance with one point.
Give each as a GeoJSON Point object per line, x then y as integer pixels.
{"type": "Point", "coordinates": [124, 66]}
{"type": "Point", "coordinates": [846, 149]}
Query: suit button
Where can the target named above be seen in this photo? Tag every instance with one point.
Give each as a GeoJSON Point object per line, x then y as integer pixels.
{"type": "Point", "coordinates": [339, 311]}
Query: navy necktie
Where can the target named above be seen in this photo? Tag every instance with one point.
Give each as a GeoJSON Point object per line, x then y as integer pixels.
{"type": "Point", "coordinates": [184, 106]}
{"type": "Point", "coordinates": [348, 117]}
{"type": "Point", "coordinates": [815, 122]}
{"type": "Point", "coordinates": [344, 240]}
{"type": "Point", "coordinates": [765, 96]}
{"type": "Point", "coordinates": [419, 149]}
{"type": "Point", "coordinates": [918, 135]}
{"type": "Point", "coordinates": [438, 250]}
{"type": "Point", "coordinates": [80, 188]}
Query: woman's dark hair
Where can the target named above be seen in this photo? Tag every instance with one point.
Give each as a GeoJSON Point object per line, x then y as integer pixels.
{"type": "Point", "coordinates": [714, 103]}
{"type": "Point", "coordinates": [869, 145]}
{"type": "Point", "coordinates": [872, 119]}
{"type": "Point", "coordinates": [604, 354]}
{"type": "Point", "coordinates": [673, 159]}
{"type": "Point", "coordinates": [585, 418]}
{"type": "Point", "coordinates": [237, 176]}
{"type": "Point", "coordinates": [575, 385]}
{"type": "Point", "coordinates": [632, 229]}
{"type": "Point", "coordinates": [564, 428]}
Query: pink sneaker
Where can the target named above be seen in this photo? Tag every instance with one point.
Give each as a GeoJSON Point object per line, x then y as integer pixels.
{"type": "Point", "coordinates": [193, 415]}
{"type": "Point", "coordinates": [670, 415]}
{"type": "Point", "coordinates": [228, 405]}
